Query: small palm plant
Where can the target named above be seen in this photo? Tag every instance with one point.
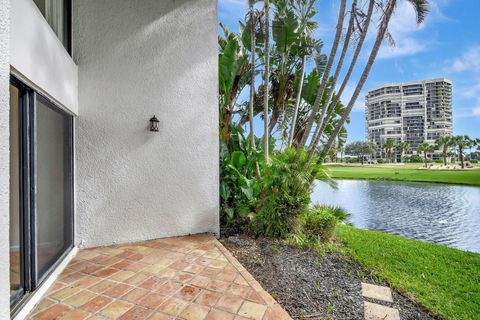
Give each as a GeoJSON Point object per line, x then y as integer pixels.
{"type": "Point", "coordinates": [403, 147]}
{"type": "Point", "coordinates": [425, 148]}
{"type": "Point", "coordinates": [388, 146]}
{"type": "Point", "coordinates": [462, 142]}
{"type": "Point", "coordinates": [445, 142]}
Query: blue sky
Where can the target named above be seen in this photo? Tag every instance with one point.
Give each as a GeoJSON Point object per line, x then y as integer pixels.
{"type": "Point", "coordinates": [446, 45]}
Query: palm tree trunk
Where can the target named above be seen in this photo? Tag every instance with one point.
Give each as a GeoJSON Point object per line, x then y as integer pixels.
{"type": "Point", "coordinates": [252, 66]}
{"type": "Point", "coordinates": [444, 156]}
{"type": "Point", "coordinates": [425, 158]}
{"type": "Point", "coordinates": [461, 157]}
{"type": "Point", "coordinates": [326, 73]}
{"type": "Point", "coordinates": [297, 101]}
{"type": "Point", "coordinates": [252, 81]}
{"type": "Point", "coordinates": [371, 59]}
{"type": "Point", "coordinates": [329, 107]}
{"type": "Point", "coordinates": [266, 133]}
{"type": "Point", "coordinates": [356, 54]}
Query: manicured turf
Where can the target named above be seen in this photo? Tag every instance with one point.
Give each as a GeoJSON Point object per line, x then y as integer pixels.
{"type": "Point", "coordinates": [444, 280]}
{"type": "Point", "coordinates": [408, 173]}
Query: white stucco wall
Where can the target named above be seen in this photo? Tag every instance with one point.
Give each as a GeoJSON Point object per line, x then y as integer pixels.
{"type": "Point", "coordinates": [39, 58]}
{"type": "Point", "coordinates": [137, 59]}
{"type": "Point", "coordinates": [4, 157]}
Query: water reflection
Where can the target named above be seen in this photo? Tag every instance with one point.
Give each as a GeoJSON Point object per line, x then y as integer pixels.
{"type": "Point", "coordinates": [443, 214]}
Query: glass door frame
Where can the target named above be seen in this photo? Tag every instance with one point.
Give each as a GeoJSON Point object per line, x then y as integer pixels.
{"type": "Point", "coordinates": [31, 279]}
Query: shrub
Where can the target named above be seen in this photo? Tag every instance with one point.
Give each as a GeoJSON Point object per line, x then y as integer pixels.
{"type": "Point", "coordinates": [285, 192]}
{"type": "Point", "coordinates": [337, 212]}
{"type": "Point", "coordinates": [318, 223]}
{"type": "Point", "coordinates": [239, 187]}
{"type": "Point", "coordinates": [380, 160]}
{"type": "Point", "coordinates": [413, 159]}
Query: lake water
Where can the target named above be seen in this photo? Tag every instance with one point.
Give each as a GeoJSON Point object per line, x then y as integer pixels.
{"type": "Point", "coordinates": [443, 214]}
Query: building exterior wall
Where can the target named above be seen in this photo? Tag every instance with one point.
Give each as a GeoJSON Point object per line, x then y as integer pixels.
{"type": "Point", "coordinates": [137, 59]}
{"type": "Point", "coordinates": [39, 58]}
{"type": "Point", "coordinates": [413, 112]}
{"type": "Point", "coordinates": [4, 158]}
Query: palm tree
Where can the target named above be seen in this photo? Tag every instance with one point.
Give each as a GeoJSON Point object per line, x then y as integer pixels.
{"type": "Point", "coordinates": [445, 142]}
{"type": "Point", "coordinates": [388, 146]}
{"type": "Point", "coordinates": [252, 25]}
{"type": "Point", "coordinates": [362, 28]}
{"type": "Point", "coordinates": [421, 10]}
{"type": "Point", "coordinates": [403, 147]}
{"type": "Point", "coordinates": [425, 148]}
{"type": "Point", "coordinates": [462, 142]}
{"type": "Point", "coordinates": [323, 84]}
{"type": "Point", "coordinates": [307, 43]}
{"type": "Point", "coordinates": [266, 79]}
{"type": "Point", "coordinates": [297, 100]}
{"type": "Point", "coordinates": [327, 106]}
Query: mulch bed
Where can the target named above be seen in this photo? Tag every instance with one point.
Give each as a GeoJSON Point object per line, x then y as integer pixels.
{"type": "Point", "coordinates": [313, 286]}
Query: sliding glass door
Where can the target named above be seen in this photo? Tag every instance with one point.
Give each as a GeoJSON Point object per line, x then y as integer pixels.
{"type": "Point", "coordinates": [17, 263]}
{"type": "Point", "coordinates": [41, 188]}
{"type": "Point", "coordinates": [53, 183]}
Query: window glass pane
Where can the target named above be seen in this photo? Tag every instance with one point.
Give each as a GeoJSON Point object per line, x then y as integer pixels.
{"type": "Point", "coordinates": [16, 273]}
{"type": "Point", "coordinates": [54, 12]}
{"type": "Point", "coordinates": [54, 213]}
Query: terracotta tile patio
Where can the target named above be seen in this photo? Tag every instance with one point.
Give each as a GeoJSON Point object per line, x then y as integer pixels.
{"type": "Point", "coordinates": [188, 278]}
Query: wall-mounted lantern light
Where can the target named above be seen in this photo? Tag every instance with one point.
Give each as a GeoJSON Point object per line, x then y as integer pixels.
{"type": "Point", "coordinates": [154, 124]}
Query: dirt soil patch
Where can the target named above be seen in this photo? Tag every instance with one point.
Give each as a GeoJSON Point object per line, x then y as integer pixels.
{"type": "Point", "coordinates": [313, 286]}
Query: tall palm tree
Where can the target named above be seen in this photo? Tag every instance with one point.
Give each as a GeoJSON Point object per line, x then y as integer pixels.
{"type": "Point", "coordinates": [297, 100]}
{"type": "Point", "coordinates": [462, 142]}
{"type": "Point", "coordinates": [321, 90]}
{"type": "Point", "coordinates": [425, 148]}
{"type": "Point", "coordinates": [307, 43]}
{"type": "Point", "coordinates": [421, 10]}
{"type": "Point", "coordinates": [252, 24]}
{"type": "Point", "coordinates": [251, 19]}
{"type": "Point", "coordinates": [327, 106]}
{"type": "Point", "coordinates": [388, 146]}
{"type": "Point", "coordinates": [267, 80]}
{"type": "Point", "coordinates": [445, 142]}
{"type": "Point", "coordinates": [403, 147]}
{"type": "Point", "coordinates": [362, 28]}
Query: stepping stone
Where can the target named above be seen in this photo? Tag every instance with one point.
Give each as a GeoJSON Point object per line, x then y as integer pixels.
{"type": "Point", "coordinates": [376, 292]}
{"type": "Point", "coordinates": [375, 311]}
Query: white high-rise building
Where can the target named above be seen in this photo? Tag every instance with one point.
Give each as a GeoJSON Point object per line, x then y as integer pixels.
{"type": "Point", "coordinates": [413, 112]}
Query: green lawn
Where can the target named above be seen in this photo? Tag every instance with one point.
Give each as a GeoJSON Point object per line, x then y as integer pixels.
{"type": "Point", "coordinates": [444, 280]}
{"type": "Point", "coordinates": [405, 173]}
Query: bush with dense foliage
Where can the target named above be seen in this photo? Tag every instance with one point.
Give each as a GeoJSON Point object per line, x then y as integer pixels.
{"type": "Point", "coordinates": [318, 223]}
{"type": "Point", "coordinates": [239, 188]}
{"type": "Point", "coordinates": [413, 159]}
{"type": "Point", "coordinates": [285, 191]}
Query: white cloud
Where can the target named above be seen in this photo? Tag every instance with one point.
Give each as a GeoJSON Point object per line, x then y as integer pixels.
{"type": "Point", "coordinates": [472, 91]}
{"type": "Point", "coordinates": [403, 47]}
{"type": "Point", "coordinates": [468, 61]}
{"type": "Point", "coordinates": [476, 111]}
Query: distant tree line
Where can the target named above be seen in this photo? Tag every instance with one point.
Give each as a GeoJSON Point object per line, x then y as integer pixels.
{"type": "Point", "coordinates": [451, 147]}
